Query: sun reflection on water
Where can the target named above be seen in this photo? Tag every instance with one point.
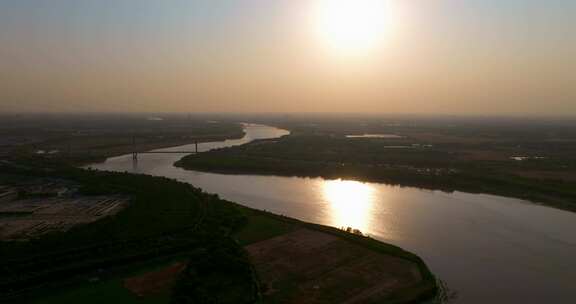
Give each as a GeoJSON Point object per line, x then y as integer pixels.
{"type": "Point", "coordinates": [351, 203]}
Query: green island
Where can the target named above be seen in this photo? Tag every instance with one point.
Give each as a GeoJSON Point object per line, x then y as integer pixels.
{"type": "Point", "coordinates": [174, 243]}
{"type": "Point", "coordinates": [449, 166]}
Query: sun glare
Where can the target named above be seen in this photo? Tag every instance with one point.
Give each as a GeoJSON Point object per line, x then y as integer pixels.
{"type": "Point", "coordinates": [352, 27]}
{"type": "Point", "coordinates": [351, 203]}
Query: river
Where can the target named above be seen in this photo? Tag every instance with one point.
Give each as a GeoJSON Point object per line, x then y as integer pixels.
{"type": "Point", "coordinates": [487, 249]}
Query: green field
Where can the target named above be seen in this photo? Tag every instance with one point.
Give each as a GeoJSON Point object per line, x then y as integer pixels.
{"type": "Point", "coordinates": [109, 289]}
{"type": "Point", "coordinates": [261, 226]}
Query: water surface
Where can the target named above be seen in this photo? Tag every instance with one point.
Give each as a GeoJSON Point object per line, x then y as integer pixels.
{"type": "Point", "coordinates": [488, 249]}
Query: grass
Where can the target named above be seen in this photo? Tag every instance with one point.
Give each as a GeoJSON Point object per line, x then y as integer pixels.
{"type": "Point", "coordinates": [261, 227]}
{"type": "Point", "coordinates": [110, 290]}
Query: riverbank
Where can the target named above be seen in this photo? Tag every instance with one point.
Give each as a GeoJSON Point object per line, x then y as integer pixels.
{"type": "Point", "coordinates": [100, 155]}
{"type": "Point", "coordinates": [334, 158]}
{"type": "Point", "coordinates": [78, 141]}
{"type": "Point", "coordinates": [115, 149]}
{"type": "Point", "coordinates": [207, 234]}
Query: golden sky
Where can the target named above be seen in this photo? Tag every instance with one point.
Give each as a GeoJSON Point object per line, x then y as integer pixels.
{"type": "Point", "coordinates": [410, 56]}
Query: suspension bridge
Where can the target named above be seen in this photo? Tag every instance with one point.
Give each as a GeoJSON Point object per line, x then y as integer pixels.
{"type": "Point", "coordinates": [135, 152]}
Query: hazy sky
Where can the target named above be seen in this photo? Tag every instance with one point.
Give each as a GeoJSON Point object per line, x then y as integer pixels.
{"type": "Point", "coordinates": [436, 56]}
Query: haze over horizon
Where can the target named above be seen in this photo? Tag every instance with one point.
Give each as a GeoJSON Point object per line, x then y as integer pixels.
{"type": "Point", "coordinates": [416, 56]}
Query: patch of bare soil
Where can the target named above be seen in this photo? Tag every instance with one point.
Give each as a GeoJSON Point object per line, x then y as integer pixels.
{"type": "Point", "coordinates": [156, 282]}
{"type": "Point", "coordinates": [307, 266]}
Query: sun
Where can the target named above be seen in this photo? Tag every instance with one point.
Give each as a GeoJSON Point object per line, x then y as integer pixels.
{"type": "Point", "coordinates": [352, 26]}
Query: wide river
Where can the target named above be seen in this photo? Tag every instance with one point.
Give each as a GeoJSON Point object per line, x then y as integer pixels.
{"type": "Point", "coordinates": [487, 249]}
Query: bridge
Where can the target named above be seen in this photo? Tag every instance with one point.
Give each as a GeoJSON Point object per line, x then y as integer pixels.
{"type": "Point", "coordinates": [135, 153]}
